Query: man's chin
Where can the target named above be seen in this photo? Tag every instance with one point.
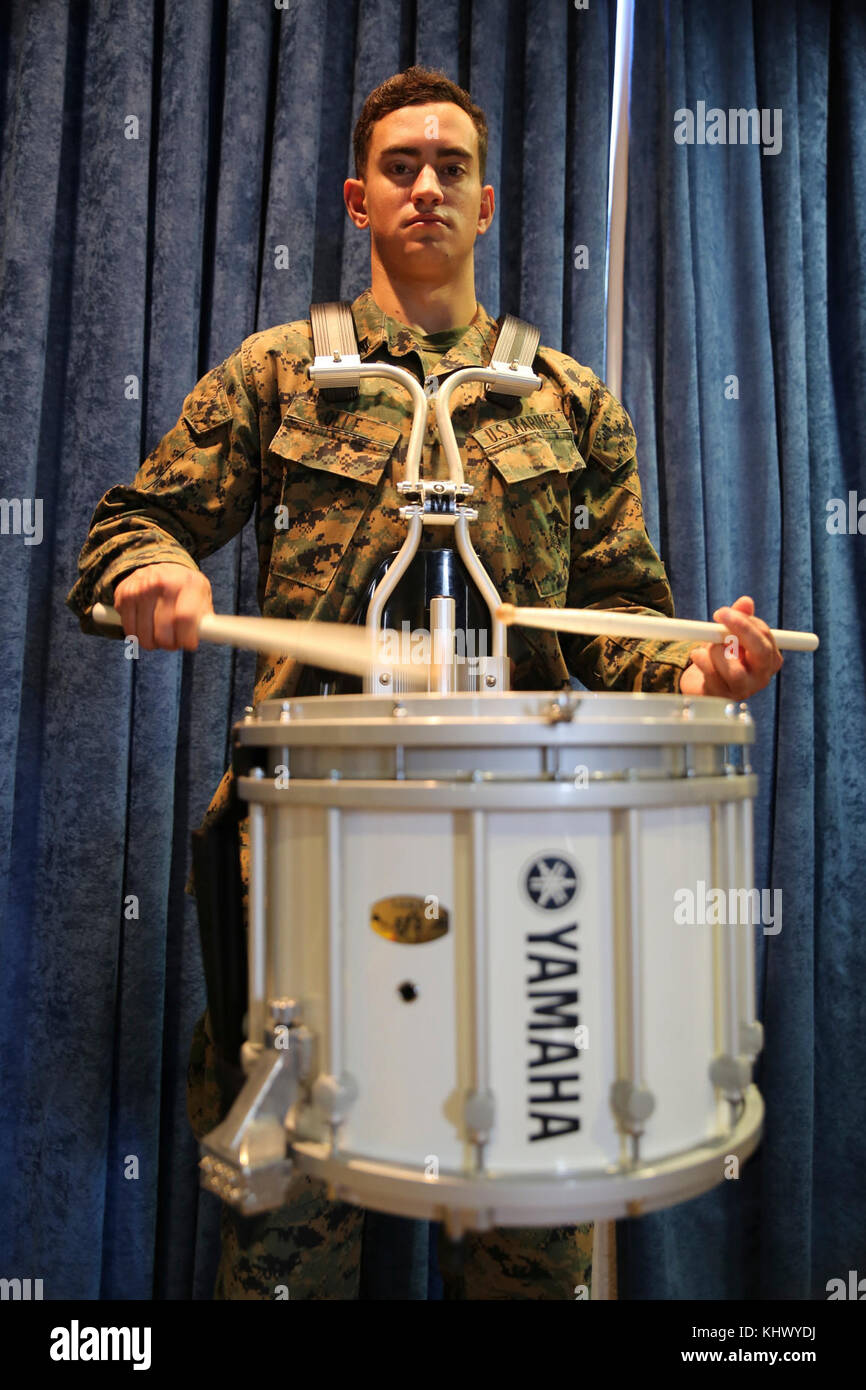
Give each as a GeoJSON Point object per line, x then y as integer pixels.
{"type": "Point", "coordinates": [419, 254]}
{"type": "Point", "coordinates": [422, 259]}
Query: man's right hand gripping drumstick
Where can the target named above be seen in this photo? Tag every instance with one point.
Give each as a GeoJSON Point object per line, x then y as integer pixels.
{"type": "Point", "coordinates": [162, 605]}
{"type": "Point", "coordinates": [169, 606]}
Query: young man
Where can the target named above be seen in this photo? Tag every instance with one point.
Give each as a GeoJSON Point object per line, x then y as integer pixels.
{"type": "Point", "coordinates": [256, 434]}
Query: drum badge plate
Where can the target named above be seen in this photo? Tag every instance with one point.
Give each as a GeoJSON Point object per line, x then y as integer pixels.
{"type": "Point", "coordinates": [408, 919]}
{"type": "Point", "coordinates": [551, 881]}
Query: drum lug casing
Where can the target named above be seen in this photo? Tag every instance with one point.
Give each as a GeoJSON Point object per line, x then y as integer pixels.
{"type": "Point", "coordinates": [479, 1115]}
{"type": "Point", "coordinates": [751, 1038]}
{"type": "Point", "coordinates": [733, 1075]}
{"type": "Point", "coordinates": [334, 1096]}
{"type": "Point", "coordinates": [632, 1105]}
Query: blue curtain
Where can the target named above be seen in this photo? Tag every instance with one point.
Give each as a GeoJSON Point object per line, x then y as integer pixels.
{"type": "Point", "coordinates": [751, 265]}
{"type": "Point", "coordinates": [155, 156]}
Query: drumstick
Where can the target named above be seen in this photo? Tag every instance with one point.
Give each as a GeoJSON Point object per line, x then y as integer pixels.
{"type": "Point", "coordinates": [334, 646]}
{"type": "Point", "coordinates": [611, 622]}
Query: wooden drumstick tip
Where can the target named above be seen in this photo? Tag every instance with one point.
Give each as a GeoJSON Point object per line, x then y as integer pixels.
{"type": "Point", "coordinates": [505, 613]}
{"type": "Point", "coordinates": [105, 616]}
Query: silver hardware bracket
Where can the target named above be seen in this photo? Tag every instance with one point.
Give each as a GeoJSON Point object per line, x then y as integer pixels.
{"type": "Point", "coordinates": [442, 487]}
{"type": "Point", "coordinates": [340, 369]}
{"type": "Point", "coordinates": [431, 518]}
{"type": "Point", "coordinates": [512, 379]}
{"type": "Point", "coordinates": [436, 503]}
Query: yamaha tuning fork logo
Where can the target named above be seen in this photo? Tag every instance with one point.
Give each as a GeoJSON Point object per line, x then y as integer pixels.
{"type": "Point", "coordinates": [551, 882]}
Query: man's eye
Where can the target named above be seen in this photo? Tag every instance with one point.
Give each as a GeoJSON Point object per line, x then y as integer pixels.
{"type": "Point", "coordinates": [399, 168]}
{"type": "Point", "coordinates": [454, 170]}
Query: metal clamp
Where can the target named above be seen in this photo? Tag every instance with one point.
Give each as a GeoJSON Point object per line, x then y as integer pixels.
{"type": "Point", "coordinates": [337, 371]}
{"type": "Point", "coordinates": [512, 379]}
{"type": "Point", "coordinates": [423, 488]}
{"type": "Point", "coordinates": [245, 1159]}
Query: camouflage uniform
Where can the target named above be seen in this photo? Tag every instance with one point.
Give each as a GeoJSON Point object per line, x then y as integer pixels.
{"type": "Point", "coordinates": [559, 523]}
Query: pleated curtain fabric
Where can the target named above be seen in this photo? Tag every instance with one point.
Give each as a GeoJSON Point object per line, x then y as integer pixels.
{"type": "Point", "coordinates": [171, 182]}
{"type": "Point", "coordinates": [744, 364]}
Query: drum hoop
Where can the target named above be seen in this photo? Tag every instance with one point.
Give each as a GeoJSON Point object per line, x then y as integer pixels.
{"type": "Point", "coordinates": [430, 795]}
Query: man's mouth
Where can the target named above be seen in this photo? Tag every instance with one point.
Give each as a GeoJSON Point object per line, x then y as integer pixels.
{"type": "Point", "coordinates": [429, 217]}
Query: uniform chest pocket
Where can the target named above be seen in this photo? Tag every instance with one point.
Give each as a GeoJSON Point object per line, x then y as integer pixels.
{"type": "Point", "coordinates": [531, 478]}
{"type": "Point", "coordinates": [331, 464]}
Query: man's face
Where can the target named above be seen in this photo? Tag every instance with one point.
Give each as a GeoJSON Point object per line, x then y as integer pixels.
{"type": "Point", "coordinates": [421, 195]}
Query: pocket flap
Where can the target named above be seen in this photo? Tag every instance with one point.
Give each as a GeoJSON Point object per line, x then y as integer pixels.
{"type": "Point", "coordinates": [318, 435]}
{"type": "Point", "coordinates": [531, 454]}
{"type": "Point", "coordinates": [207, 405]}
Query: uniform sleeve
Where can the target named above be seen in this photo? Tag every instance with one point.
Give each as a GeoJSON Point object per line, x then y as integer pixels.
{"type": "Point", "coordinates": [192, 493]}
{"type": "Point", "coordinates": [613, 562]}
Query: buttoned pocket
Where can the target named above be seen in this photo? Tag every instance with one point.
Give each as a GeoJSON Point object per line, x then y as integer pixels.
{"type": "Point", "coordinates": [332, 463]}
{"type": "Point", "coordinates": [200, 435]}
{"type": "Point", "coordinates": [207, 407]}
{"type": "Point", "coordinates": [533, 473]}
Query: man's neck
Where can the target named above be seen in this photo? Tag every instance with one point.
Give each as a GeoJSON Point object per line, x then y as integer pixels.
{"type": "Point", "coordinates": [427, 308]}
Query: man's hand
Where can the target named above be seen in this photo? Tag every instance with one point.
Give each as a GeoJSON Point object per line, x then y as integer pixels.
{"type": "Point", "coordinates": [161, 605]}
{"type": "Point", "coordinates": [734, 670]}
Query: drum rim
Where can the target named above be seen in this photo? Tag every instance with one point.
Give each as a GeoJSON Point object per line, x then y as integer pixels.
{"type": "Point", "coordinates": [507, 717]}
{"type": "Point", "coordinates": [518, 1199]}
{"type": "Point", "coordinates": [439, 794]}
{"type": "Point", "coordinates": [699, 707]}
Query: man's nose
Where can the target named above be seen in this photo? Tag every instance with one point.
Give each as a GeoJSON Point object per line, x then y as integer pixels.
{"type": "Point", "coordinates": [427, 187]}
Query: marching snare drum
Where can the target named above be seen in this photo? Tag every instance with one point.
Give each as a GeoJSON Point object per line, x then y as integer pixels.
{"type": "Point", "coordinates": [501, 926]}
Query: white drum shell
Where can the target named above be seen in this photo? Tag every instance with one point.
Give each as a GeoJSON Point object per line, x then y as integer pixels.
{"type": "Point", "coordinates": [454, 800]}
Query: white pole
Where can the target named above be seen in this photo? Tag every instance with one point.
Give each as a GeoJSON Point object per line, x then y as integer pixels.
{"type": "Point", "coordinates": [604, 1232]}
{"type": "Point", "coordinates": [617, 202]}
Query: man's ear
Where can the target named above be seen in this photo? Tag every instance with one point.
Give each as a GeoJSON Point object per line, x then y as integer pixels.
{"type": "Point", "coordinates": [354, 197]}
{"type": "Point", "coordinates": [486, 209]}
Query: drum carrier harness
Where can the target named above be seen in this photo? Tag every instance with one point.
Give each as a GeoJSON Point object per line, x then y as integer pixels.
{"type": "Point", "coordinates": [443, 591]}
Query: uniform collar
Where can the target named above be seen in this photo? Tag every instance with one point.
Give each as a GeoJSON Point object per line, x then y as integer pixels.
{"type": "Point", "coordinates": [375, 328]}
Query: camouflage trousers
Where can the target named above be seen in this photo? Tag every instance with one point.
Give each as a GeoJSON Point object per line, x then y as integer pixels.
{"type": "Point", "coordinates": [311, 1247]}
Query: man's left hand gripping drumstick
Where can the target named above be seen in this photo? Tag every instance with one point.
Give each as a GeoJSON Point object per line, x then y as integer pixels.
{"type": "Point", "coordinates": [737, 668]}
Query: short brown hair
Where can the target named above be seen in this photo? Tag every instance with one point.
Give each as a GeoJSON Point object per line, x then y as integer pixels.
{"type": "Point", "coordinates": [414, 87]}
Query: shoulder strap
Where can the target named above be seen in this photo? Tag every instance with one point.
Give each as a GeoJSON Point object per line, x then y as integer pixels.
{"type": "Point", "coordinates": [517, 341]}
{"type": "Point", "coordinates": [334, 337]}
